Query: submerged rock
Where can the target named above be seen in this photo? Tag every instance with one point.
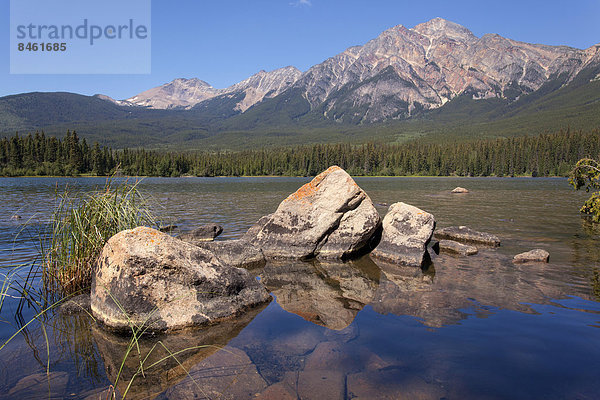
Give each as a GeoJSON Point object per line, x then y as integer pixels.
{"type": "Point", "coordinates": [146, 277]}
{"type": "Point", "coordinates": [51, 385]}
{"type": "Point", "coordinates": [460, 190]}
{"type": "Point", "coordinates": [344, 357]}
{"type": "Point", "coordinates": [450, 246]}
{"type": "Point", "coordinates": [535, 255]}
{"type": "Point", "coordinates": [329, 217]}
{"type": "Point", "coordinates": [235, 253]}
{"type": "Point", "coordinates": [467, 235]}
{"type": "Point", "coordinates": [392, 383]}
{"type": "Point", "coordinates": [76, 305]}
{"type": "Point", "coordinates": [167, 228]}
{"type": "Point", "coordinates": [406, 232]}
{"type": "Point", "coordinates": [227, 374]}
{"type": "Point", "coordinates": [202, 234]}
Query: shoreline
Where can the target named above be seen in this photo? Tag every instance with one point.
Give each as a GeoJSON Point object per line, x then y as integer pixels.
{"type": "Point", "coordinates": [284, 176]}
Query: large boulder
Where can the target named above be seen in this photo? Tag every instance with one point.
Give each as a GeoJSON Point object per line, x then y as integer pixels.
{"type": "Point", "coordinates": [464, 234]}
{"type": "Point", "coordinates": [406, 232]}
{"type": "Point", "coordinates": [329, 217]}
{"type": "Point", "coordinates": [146, 277]}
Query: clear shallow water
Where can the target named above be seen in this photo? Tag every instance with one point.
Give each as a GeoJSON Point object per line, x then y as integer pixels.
{"type": "Point", "coordinates": [476, 327]}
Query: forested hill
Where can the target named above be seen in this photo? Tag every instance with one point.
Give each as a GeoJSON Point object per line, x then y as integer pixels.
{"type": "Point", "coordinates": [542, 155]}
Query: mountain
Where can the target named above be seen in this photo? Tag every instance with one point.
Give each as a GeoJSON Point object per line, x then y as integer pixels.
{"type": "Point", "coordinates": [434, 80]}
{"type": "Point", "coordinates": [186, 93]}
{"type": "Point", "coordinates": [180, 93]}
{"type": "Point", "coordinates": [401, 72]}
{"type": "Point", "coordinates": [405, 71]}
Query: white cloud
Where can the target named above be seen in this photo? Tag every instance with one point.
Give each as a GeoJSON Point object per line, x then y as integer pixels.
{"type": "Point", "coordinates": [299, 3]}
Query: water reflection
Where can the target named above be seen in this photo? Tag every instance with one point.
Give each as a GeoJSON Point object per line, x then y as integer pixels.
{"type": "Point", "coordinates": [467, 285]}
{"type": "Point", "coordinates": [159, 362]}
{"type": "Point", "coordinates": [329, 294]}
{"type": "Point", "coordinates": [35, 362]}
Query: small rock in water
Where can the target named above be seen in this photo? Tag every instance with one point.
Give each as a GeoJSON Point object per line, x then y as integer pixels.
{"type": "Point", "coordinates": [434, 245]}
{"type": "Point", "coordinates": [167, 228]}
{"type": "Point", "coordinates": [16, 216]}
{"type": "Point", "coordinates": [535, 255]}
{"type": "Point", "coordinates": [467, 235]}
{"type": "Point", "coordinates": [451, 246]}
{"type": "Point", "coordinates": [460, 190]}
{"type": "Point", "coordinates": [76, 305]}
{"type": "Point", "coordinates": [406, 232]}
{"type": "Point", "coordinates": [204, 233]}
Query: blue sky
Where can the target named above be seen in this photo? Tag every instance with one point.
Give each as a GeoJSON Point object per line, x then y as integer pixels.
{"type": "Point", "coordinates": [223, 42]}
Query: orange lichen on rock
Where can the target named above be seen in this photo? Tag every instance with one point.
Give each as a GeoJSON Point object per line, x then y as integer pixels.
{"type": "Point", "coordinates": [311, 187]}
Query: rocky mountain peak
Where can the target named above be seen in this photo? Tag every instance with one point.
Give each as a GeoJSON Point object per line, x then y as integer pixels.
{"type": "Point", "coordinates": [191, 82]}
{"type": "Point", "coordinates": [264, 84]}
{"type": "Point", "coordinates": [179, 93]}
{"type": "Point", "coordinates": [439, 27]}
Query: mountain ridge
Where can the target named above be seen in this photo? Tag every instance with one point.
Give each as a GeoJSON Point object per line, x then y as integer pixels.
{"type": "Point", "coordinates": [434, 62]}
{"type": "Point", "coordinates": [434, 80]}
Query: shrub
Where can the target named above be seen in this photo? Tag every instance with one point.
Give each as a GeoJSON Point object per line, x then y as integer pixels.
{"type": "Point", "coordinates": [586, 174]}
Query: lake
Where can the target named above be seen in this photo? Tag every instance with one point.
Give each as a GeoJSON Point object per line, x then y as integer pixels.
{"type": "Point", "coordinates": [477, 327]}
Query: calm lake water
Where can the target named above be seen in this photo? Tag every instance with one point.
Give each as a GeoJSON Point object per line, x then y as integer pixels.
{"type": "Point", "coordinates": [474, 327]}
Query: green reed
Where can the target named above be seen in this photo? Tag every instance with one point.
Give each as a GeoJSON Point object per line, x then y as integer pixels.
{"type": "Point", "coordinates": [80, 226]}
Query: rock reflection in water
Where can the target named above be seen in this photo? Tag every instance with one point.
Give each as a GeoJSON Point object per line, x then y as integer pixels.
{"type": "Point", "coordinates": [586, 252]}
{"type": "Point", "coordinates": [329, 294]}
{"type": "Point", "coordinates": [465, 286]}
{"type": "Point", "coordinates": [191, 348]}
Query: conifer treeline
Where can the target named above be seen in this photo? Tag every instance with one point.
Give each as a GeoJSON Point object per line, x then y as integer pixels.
{"type": "Point", "coordinates": [542, 155]}
{"type": "Point", "coordinates": [39, 155]}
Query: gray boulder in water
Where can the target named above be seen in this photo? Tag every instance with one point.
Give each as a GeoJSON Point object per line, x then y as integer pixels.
{"type": "Point", "coordinates": [146, 277]}
{"type": "Point", "coordinates": [406, 232]}
{"type": "Point", "coordinates": [450, 246]}
{"type": "Point", "coordinates": [329, 217]}
{"type": "Point", "coordinates": [535, 255]}
{"type": "Point", "coordinates": [467, 235]}
{"type": "Point", "coordinates": [202, 234]}
{"type": "Point", "coordinates": [460, 190]}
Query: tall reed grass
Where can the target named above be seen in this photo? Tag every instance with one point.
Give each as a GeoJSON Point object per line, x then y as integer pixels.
{"type": "Point", "coordinates": [80, 226]}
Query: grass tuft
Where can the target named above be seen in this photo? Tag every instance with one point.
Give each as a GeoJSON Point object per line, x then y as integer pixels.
{"type": "Point", "coordinates": [80, 226]}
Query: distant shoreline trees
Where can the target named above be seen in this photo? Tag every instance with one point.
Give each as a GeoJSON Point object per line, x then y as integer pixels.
{"type": "Point", "coordinates": [542, 155]}
{"type": "Point", "coordinates": [40, 155]}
